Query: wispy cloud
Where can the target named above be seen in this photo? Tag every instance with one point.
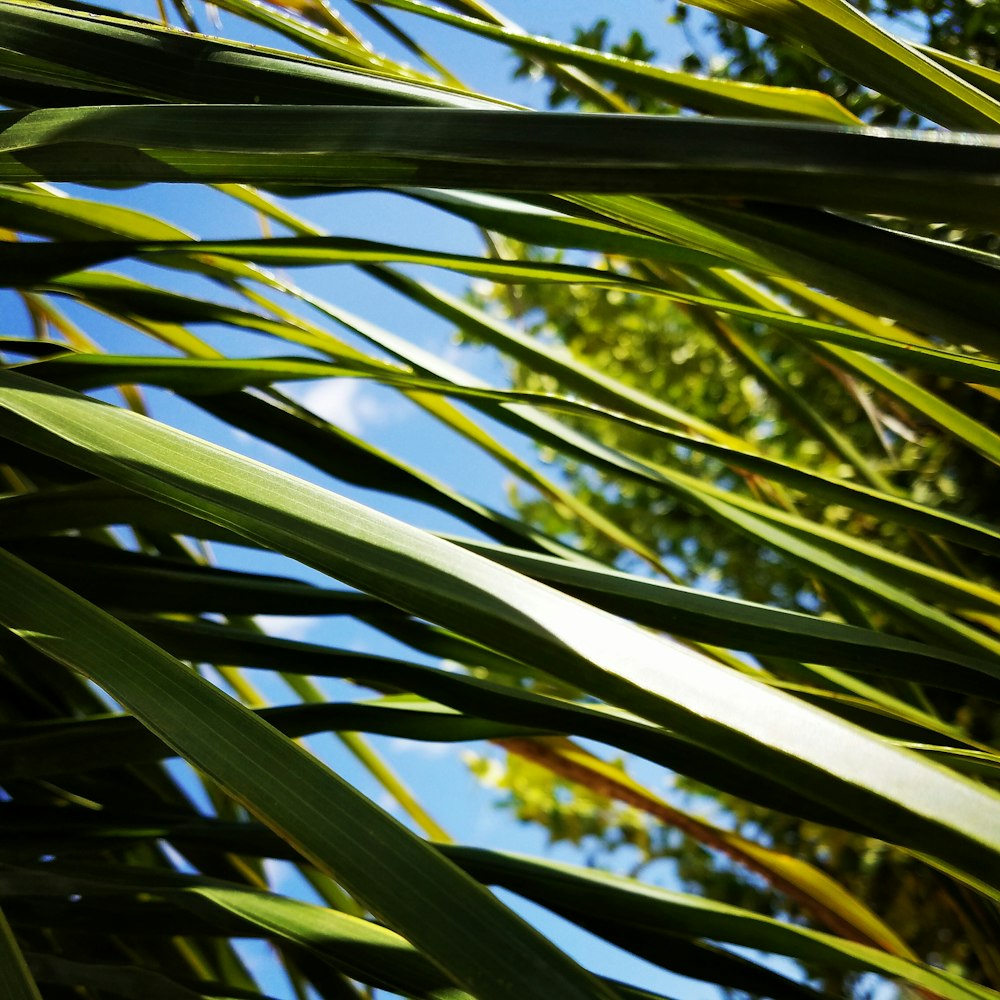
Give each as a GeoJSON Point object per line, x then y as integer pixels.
{"type": "Point", "coordinates": [429, 751]}
{"type": "Point", "coordinates": [347, 403]}
{"type": "Point", "coordinates": [286, 626]}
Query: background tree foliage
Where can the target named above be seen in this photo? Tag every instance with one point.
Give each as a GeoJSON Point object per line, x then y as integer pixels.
{"type": "Point", "coordinates": [770, 389]}
{"type": "Point", "coordinates": [732, 50]}
{"type": "Point", "coordinates": [759, 337]}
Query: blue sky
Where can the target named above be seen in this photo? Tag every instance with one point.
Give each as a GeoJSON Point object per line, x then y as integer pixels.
{"type": "Point", "coordinates": [436, 773]}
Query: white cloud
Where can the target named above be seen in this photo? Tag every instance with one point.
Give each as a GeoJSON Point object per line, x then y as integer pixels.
{"type": "Point", "coordinates": [417, 748]}
{"type": "Point", "coordinates": [286, 626]}
{"type": "Point", "coordinates": [347, 403]}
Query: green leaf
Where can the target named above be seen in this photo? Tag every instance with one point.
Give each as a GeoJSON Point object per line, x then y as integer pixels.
{"type": "Point", "coordinates": [920, 283]}
{"type": "Point", "coordinates": [17, 979]}
{"type": "Point", "coordinates": [645, 915]}
{"type": "Point", "coordinates": [324, 817]}
{"type": "Point", "coordinates": [210, 377]}
{"type": "Point", "coordinates": [360, 948]}
{"type": "Point", "coordinates": [898, 172]}
{"type": "Point", "coordinates": [64, 51]}
{"type": "Point", "coordinates": [843, 37]}
{"type": "Point", "coordinates": [711, 96]}
{"type": "Point", "coordinates": [737, 624]}
{"type": "Point", "coordinates": [822, 758]}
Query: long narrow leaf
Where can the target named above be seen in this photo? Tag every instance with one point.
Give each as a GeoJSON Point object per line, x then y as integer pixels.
{"type": "Point", "coordinates": [820, 756]}
{"type": "Point", "coordinates": [334, 825]}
